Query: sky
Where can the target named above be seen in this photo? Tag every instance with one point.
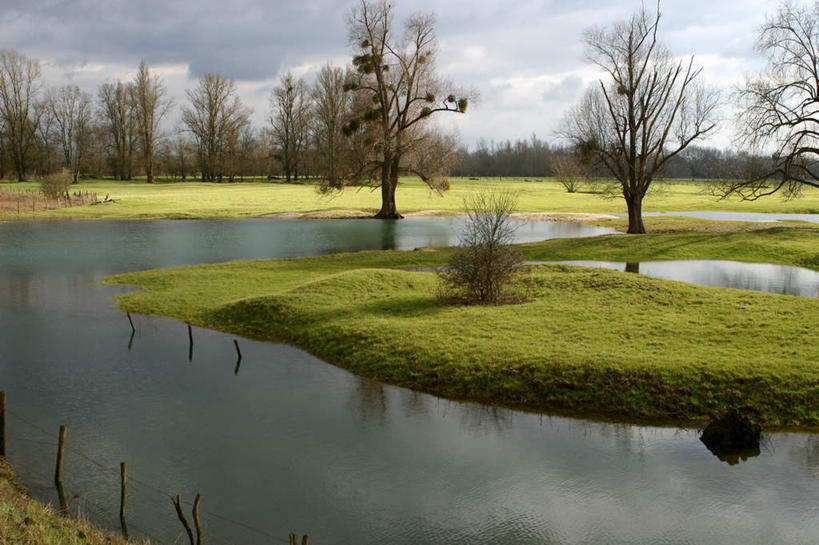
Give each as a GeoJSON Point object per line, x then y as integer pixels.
{"type": "Point", "coordinates": [523, 58]}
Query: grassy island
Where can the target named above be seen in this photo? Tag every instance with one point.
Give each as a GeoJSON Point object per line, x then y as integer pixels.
{"type": "Point", "coordinates": [587, 342]}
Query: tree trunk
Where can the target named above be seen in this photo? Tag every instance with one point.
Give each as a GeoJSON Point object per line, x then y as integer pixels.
{"type": "Point", "coordinates": [149, 170]}
{"type": "Point", "coordinates": [635, 214]}
{"type": "Point", "coordinates": [389, 181]}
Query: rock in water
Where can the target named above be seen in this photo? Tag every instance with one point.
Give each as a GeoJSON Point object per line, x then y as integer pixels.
{"type": "Point", "coordinates": [731, 433]}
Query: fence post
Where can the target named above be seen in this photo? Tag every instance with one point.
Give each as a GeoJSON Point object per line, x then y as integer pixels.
{"type": "Point", "coordinates": [2, 424]}
{"type": "Point", "coordinates": [58, 473]}
{"type": "Point", "coordinates": [239, 358]}
{"type": "Point", "coordinates": [123, 473]}
{"type": "Point", "coordinates": [190, 340]}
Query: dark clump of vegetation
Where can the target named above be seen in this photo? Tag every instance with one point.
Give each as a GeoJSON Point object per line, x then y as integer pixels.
{"type": "Point", "coordinates": [56, 184]}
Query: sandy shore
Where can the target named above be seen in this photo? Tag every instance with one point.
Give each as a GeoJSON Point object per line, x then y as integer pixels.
{"type": "Point", "coordinates": [351, 214]}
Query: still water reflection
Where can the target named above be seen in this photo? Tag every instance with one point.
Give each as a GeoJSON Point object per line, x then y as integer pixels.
{"type": "Point", "coordinates": [293, 444]}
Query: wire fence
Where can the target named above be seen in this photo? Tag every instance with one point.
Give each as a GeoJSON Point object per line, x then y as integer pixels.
{"type": "Point", "coordinates": [138, 489]}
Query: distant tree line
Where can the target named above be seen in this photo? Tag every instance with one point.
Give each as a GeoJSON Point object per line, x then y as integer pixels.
{"type": "Point", "coordinates": [536, 158]}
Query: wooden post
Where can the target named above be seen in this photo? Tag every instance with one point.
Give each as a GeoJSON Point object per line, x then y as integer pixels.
{"type": "Point", "coordinates": [2, 424]}
{"type": "Point", "coordinates": [177, 502]}
{"type": "Point", "coordinates": [63, 503]}
{"type": "Point", "coordinates": [238, 359]}
{"type": "Point", "coordinates": [190, 340]}
{"type": "Point", "coordinates": [305, 539]}
{"type": "Point", "coordinates": [123, 474]}
{"type": "Point", "coordinates": [196, 522]}
{"type": "Point", "coordinates": [58, 473]}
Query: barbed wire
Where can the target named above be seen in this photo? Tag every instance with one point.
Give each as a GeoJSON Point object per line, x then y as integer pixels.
{"type": "Point", "coordinates": [146, 485]}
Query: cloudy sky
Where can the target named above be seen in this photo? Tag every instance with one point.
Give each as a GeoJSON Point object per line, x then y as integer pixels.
{"type": "Point", "coordinates": [524, 57]}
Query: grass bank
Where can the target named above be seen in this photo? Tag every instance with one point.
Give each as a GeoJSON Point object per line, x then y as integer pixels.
{"type": "Point", "coordinates": [139, 200]}
{"type": "Point", "coordinates": [24, 521]}
{"type": "Point", "coordinates": [589, 342]}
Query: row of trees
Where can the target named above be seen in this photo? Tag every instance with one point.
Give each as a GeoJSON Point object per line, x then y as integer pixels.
{"type": "Point", "coordinates": [369, 123]}
{"type": "Point", "coordinates": [119, 132]}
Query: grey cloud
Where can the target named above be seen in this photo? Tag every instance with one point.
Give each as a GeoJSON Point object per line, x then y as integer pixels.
{"type": "Point", "coordinates": [244, 40]}
{"type": "Point", "coordinates": [569, 88]}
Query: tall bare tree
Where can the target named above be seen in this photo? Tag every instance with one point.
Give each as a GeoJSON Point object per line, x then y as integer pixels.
{"type": "Point", "coordinates": [151, 103]}
{"type": "Point", "coordinates": [289, 118]}
{"type": "Point", "coordinates": [20, 85]}
{"type": "Point", "coordinates": [73, 115]}
{"type": "Point", "coordinates": [116, 107]}
{"type": "Point", "coordinates": [215, 117]}
{"type": "Point", "coordinates": [647, 110]}
{"type": "Point", "coordinates": [332, 107]}
{"type": "Point", "coordinates": [397, 77]}
{"type": "Point", "coordinates": [779, 108]}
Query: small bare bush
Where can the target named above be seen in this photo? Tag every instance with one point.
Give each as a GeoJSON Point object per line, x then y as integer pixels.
{"type": "Point", "coordinates": [57, 184]}
{"type": "Point", "coordinates": [485, 263]}
{"type": "Point", "coordinates": [571, 172]}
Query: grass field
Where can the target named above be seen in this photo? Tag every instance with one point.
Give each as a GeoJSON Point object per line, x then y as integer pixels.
{"type": "Point", "coordinates": [139, 200]}
{"type": "Point", "coordinates": [668, 351]}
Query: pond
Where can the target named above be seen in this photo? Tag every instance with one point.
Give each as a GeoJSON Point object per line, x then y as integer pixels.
{"type": "Point", "coordinates": [286, 443]}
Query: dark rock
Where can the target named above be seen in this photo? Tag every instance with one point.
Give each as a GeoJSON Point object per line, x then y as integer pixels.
{"type": "Point", "coordinates": [732, 433]}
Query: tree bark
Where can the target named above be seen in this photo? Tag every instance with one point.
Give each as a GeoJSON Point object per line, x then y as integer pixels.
{"type": "Point", "coordinates": [389, 181]}
{"type": "Point", "coordinates": [635, 214]}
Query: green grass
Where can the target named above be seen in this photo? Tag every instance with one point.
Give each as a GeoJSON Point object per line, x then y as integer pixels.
{"type": "Point", "coordinates": [24, 521]}
{"type": "Point", "coordinates": [589, 342]}
{"type": "Point", "coordinates": [778, 245]}
{"type": "Point", "coordinates": [139, 200]}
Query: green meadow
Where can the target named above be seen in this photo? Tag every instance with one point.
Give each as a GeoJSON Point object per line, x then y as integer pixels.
{"type": "Point", "coordinates": [139, 200]}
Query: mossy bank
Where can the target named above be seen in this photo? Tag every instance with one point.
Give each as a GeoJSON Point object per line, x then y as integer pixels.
{"type": "Point", "coordinates": [587, 342]}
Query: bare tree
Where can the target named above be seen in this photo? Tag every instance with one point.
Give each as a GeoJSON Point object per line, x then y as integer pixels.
{"type": "Point", "coordinates": [397, 78]}
{"type": "Point", "coordinates": [332, 108]}
{"type": "Point", "coordinates": [648, 109]}
{"type": "Point", "coordinates": [73, 115]}
{"type": "Point", "coordinates": [20, 85]}
{"type": "Point", "coordinates": [151, 103]}
{"type": "Point", "coordinates": [289, 118]}
{"type": "Point", "coordinates": [47, 155]}
{"type": "Point", "coordinates": [117, 116]}
{"type": "Point", "coordinates": [570, 171]}
{"type": "Point", "coordinates": [779, 108]}
{"type": "Point", "coordinates": [215, 118]}
{"type": "Point", "coordinates": [485, 262]}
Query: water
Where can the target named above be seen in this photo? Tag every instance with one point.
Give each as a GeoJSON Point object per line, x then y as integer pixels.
{"type": "Point", "coordinates": [780, 279]}
{"type": "Point", "coordinates": [293, 444]}
{"type": "Point", "coordinates": [737, 216]}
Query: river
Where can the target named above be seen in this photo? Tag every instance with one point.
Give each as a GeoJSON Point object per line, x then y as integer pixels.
{"type": "Point", "coordinates": [287, 443]}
